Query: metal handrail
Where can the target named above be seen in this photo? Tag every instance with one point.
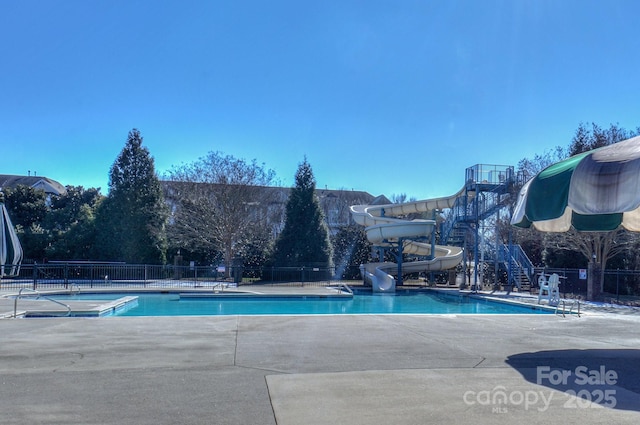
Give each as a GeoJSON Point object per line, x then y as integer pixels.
{"type": "Point", "coordinates": [573, 304]}
{"type": "Point", "coordinates": [517, 258]}
{"type": "Point", "coordinates": [38, 295]}
{"type": "Point", "coordinates": [346, 288]}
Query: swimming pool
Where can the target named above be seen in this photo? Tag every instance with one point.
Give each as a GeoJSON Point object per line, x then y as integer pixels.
{"type": "Point", "coordinates": [411, 302]}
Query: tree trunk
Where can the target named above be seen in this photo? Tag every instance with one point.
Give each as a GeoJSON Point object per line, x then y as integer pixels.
{"type": "Point", "coordinates": [594, 281]}
{"type": "Point", "coordinates": [228, 257]}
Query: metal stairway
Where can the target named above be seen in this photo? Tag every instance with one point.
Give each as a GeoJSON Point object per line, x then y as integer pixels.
{"type": "Point", "coordinates": [518, 265]}
{"type": "Point", "coordinates": [486, 192]}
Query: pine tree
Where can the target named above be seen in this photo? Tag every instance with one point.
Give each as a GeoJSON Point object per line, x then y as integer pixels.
{"type": "Point", "coordinates": [131, 220]}
{"type": "Point", "coordinates": [305, 238]}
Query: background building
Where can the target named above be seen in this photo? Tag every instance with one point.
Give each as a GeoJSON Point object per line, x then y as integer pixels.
{"type": "Point", "coordinates": [50, 187]}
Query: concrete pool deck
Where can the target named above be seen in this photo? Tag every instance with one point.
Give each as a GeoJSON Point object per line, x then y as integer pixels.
{"type": "Point", "coordinates": [306, 370]}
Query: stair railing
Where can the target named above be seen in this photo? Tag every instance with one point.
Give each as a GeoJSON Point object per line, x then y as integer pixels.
{"type": "Point", "coordinates": [518, 260]}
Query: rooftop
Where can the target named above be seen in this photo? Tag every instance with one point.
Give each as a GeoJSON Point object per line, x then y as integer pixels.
{"type": "Point", "coordinates": [50, 186]}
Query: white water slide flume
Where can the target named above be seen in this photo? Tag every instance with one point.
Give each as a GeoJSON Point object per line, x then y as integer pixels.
{"type": "Point", "coordinates": [384, 229]}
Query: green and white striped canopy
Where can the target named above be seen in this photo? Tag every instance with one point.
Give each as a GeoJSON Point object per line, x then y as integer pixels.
{"type": "Point", "coordinates": [598, 190]}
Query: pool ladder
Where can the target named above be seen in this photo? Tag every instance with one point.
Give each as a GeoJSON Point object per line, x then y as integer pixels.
{"type": "Point", "coordinates": [38, 296]}
{"type": "Point", "coordinates": [564, 307]}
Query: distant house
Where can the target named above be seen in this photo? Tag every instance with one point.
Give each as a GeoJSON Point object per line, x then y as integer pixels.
{"type": "Point", "coordinates": [50, 187]}
{"type": "Point", "coordinates": [336, 205]}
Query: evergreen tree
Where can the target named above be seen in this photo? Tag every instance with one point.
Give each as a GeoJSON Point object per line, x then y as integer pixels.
{"type": "Point", "coordinates": [27, 208]}
{"type": "Point", "coordinates": [305, 237]}
{"type": "Point", "coordinates": [350, 249]}
{"type": "Point", "coordinates": [55, 227]}
{"type": "Point", "coordinates": [70, 224]}
{"type": "Point", "coordinates": [131, 220]}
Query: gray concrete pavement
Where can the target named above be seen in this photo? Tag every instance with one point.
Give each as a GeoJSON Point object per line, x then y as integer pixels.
{"type": "Point", "coordinates": [301, 370]}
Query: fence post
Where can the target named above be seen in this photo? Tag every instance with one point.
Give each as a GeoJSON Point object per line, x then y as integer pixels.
{"type": "Point", "coordinates": [618, 286]}
{"type": "Point", "coordinates": [66, 275]}
{"type": "Point", "coordinates": [35, 276]}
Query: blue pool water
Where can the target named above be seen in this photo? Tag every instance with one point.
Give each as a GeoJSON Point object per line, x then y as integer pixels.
{"type": "Point", "coordinates": [171, 304]}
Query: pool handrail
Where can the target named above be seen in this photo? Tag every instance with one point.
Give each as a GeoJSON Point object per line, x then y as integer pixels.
{"type": "Point", "coordinates": [346, 287]}
{"type": "Point", "coordinates": [38, 295]}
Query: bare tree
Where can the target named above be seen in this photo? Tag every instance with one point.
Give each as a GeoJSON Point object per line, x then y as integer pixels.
{"type": "Point", "coordinates": [529, 167]}
{"type": "Point", "coordinates": [218, 202]}
{"type": "Point", "coordinates": [596, 247]}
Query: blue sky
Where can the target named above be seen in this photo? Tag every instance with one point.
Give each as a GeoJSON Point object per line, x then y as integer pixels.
{"type": "Point", "coordinates": [388, 97]}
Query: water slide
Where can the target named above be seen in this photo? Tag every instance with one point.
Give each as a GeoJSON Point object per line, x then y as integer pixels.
{"type": "Point", "coordinates": [384, 229]}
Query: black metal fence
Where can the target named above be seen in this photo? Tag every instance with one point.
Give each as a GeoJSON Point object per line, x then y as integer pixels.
{"type": "Point", "coordinates": [618, 283]}
{"type": "Point", "coordinates": [112, 275]}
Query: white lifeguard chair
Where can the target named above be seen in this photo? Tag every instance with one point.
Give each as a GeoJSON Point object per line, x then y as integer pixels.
{"type": "Point", "coordinates": [549, 289]}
